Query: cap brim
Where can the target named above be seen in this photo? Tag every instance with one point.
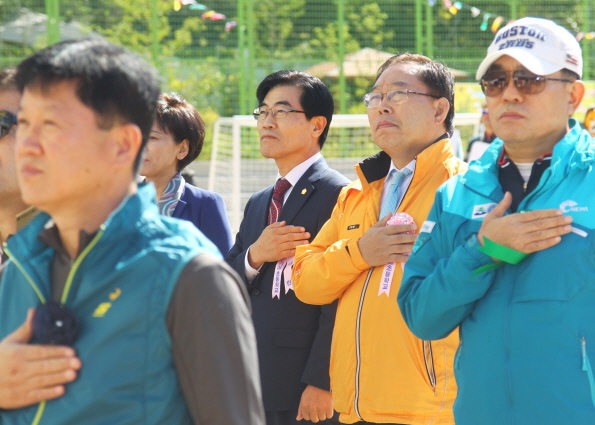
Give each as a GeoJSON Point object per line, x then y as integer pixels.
{"type": "Point", "coordinates": [532, 63]}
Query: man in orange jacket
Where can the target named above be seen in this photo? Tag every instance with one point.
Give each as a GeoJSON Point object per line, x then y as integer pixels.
{"type": "Point", "coordinates": [380, 372]}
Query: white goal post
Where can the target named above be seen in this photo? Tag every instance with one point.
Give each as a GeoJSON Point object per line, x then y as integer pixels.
{"type": "Point", "coordinates": [237, 170]}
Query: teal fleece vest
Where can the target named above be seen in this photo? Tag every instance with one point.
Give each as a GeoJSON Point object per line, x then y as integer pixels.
{"type": "Point", "coordinates": [120, 293]}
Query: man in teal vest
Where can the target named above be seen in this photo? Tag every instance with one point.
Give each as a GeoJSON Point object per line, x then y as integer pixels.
{"type": "Point", "coordinates": [158, 326]}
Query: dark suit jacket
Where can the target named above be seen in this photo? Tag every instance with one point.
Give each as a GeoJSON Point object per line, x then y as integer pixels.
{"type": "Point", "coordinates": [206, 210]}
{"type": "Point", "coordinates": [294, 339]}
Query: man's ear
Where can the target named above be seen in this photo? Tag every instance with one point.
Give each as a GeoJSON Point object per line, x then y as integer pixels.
{"type": "Point", "coordinates": [184, 148]}
{"type": "Point", "coordinates": [318, 125]}
{"type": "Point", "coordinates": [577, 92]}
{"type": "Point", "coordinates": [127, 140]}
{"type": "Point", "coordinates": [442, 108]}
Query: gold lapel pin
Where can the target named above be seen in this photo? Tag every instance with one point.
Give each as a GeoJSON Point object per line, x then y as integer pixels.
{"type": "Point", "coordinates": [304, 191]}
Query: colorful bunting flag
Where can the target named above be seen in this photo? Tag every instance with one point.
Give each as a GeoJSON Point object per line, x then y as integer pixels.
{"type": "Point", "coordinates": [209, 14]}
{"type": "Point", "coordinates": [500, 21]}
{"type": "Point", "coordinates": [484, 23]}
{"type": "Point", "coordinates": [496, 24]}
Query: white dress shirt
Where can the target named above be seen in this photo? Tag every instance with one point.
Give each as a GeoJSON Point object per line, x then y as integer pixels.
{"type": "Point", "coordinates": [292, 177]}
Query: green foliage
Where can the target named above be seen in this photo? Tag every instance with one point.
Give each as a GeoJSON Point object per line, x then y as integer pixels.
{"type": "Point", "coordinates": [275, 25]}
{"type": "Point", "coordinates": [326, 41]}
{"type": "Point", "coordinates": [369, 26]}
{"type": "Point", "coordinates": [201, 60]}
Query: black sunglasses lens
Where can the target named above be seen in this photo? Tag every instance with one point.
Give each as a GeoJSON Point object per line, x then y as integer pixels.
{"type": "Point", "coordinates": [529, 84]}
{"type": "Point", "coordinates": [7, 120]}
{"type": "Point", "coordinates": [493, 84]}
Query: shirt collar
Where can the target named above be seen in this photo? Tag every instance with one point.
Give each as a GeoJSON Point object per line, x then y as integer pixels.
{"type": "Point", "coordinates": [298, 171]}
{"type": "Point", "coordinates": [410, 166]}
{"type": "Point", "coordinates": [50, 236]}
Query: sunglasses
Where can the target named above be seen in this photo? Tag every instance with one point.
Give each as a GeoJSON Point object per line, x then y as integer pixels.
{"type": "Point", "coordinates": [493, 83]}
{"type": "Point", "coordinates": [7, 120]}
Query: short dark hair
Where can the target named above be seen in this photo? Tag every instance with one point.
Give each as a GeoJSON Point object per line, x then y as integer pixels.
{"type": "Point", "coordinates": [436, 76]}
{"type": "Point", "coordinates": [179, 118]}
{"type": "Point", "coordinates": [316, 98]}
{"type": "Point", "coordinates": [8, 80]}
{"type": "Point", "coordinates": [571, 75]}
{"type": "Point", "coordinates": [116, 84]}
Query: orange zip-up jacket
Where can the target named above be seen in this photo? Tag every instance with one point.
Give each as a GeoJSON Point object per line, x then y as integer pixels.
{"type": "Point", "coordinates": [380, 372]}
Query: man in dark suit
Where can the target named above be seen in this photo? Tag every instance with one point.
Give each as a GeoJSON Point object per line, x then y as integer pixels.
{"type": "Point", "coordinates": [294, 339]}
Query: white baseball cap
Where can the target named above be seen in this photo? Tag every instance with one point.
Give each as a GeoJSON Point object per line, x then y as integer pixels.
{"type": "Point", "coordinates": [540, 45]}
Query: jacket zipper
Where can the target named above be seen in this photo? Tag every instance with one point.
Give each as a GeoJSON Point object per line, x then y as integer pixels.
{"type": "Point", "coordinates": [358, 321]}
{"type": "Point", "coordinates": [587, 368]}
{"type": "Point", "coordinates": [507, 352]}
{"type": "Point", "coordinates": [65, 291]}
{"type": "Point", "coordinates": [429, 363]}
{"type": "Point", "coordinates": [458, 353]}
{"type": "Point", "coordinates": [357, 342]}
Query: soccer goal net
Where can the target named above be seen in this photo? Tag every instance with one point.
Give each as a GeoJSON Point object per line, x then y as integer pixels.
{"type": "Point", "coordinates": [237, 170]}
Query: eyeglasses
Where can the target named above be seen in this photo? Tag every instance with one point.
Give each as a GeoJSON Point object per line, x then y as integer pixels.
{"type": "Point", "coordinates": [263, 113]}
{"type": "Point", "coordinates": [494, 83]}
{"type": "Point", "coordinates": [7, 120]}
{"type": "Point", "coordinates": [395, 97]}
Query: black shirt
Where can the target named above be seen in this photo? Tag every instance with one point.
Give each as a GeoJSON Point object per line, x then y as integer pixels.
{"type": "Point", "coordinates": [511, 180]}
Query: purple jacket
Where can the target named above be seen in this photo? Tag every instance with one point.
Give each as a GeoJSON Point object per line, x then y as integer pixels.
{"type": "Point", "coordinates": [206, 210]}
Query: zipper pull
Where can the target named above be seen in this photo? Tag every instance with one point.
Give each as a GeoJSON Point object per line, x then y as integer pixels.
{"type": "Point", "coordinates": [525, 187]}
{"type": "Point", "coordinates": [584, 351]}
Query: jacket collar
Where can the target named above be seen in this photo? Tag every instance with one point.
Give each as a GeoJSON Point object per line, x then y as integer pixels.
{"type": "Point", "coordinates": [302, 190]}
{"type": "Point", "coordinates": [119, 223]}
{"type": "Point", "coordinates": [376, 167]}
{"type": "Point", "coordinates": [575, 150]}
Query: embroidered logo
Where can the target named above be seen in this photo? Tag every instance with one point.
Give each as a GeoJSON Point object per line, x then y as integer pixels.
{"type": "Point", "coordinates": [571, 206]}
{"type": "Point", "coordinates": [353, 226]}
{"type": "Point", "coordinates": [480, 211]}
{"type": "Point", "coordinates": [103, 308]}
{"type": "Point", "coordinates": [427, 227]}
{"type": "Point", "coordinates": [572, 59]}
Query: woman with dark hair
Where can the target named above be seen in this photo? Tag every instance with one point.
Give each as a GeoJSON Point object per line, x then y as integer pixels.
{"type": "Point", "coordinates": [176, 140]}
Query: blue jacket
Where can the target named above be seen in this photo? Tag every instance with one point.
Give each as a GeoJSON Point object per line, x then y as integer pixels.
{"type": "Point", "coordinates": [527, 331]}
{"type": "Point", "coordinates": [120, 292]}
{"type": "Point", "coordinates": [206, 210]}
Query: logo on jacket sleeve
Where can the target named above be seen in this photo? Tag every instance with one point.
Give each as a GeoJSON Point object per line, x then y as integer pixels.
{"type": "Point", "coordinates": [480, 211]}
{"type": "Point", "coordinates": [571, 206]}
{"type": "Point", "coordinates": [428, 226]}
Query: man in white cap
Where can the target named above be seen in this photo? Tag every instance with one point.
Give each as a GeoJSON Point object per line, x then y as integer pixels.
{"type": "Point", "coordinates": [508, 251]}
